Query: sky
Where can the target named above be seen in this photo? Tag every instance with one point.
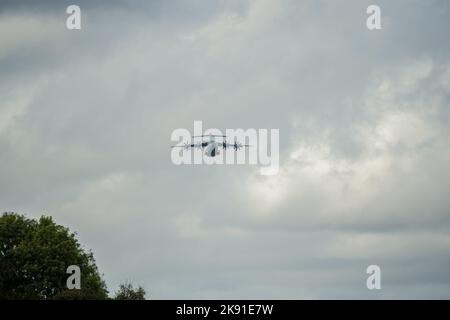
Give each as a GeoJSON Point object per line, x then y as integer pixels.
{"type": "Point", "coordinates": [86, 118]}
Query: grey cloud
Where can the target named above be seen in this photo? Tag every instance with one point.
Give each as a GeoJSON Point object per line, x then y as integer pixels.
{"type": "Point", "coordinates": [86, 118]}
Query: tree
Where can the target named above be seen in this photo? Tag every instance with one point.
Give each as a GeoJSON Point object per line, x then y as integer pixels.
{"type": "Point", "coordinates": [127, 292]}
{"type": "Point", "coordinates": [34, 256]}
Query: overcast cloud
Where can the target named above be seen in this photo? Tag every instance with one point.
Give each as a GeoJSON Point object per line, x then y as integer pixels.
{"type": "Point", "coordinates": [86, 118]}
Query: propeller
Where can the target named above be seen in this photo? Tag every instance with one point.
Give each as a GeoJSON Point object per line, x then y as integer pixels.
{"type": "Point", "coordinates": [236, 145]}
{"type": "Point", "coordinates": [185, 146]}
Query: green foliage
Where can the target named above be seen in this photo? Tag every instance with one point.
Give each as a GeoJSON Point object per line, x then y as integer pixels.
{"type": "Point", "coordinates": [34, 256]}
{"type": "Point", "coordinates": [127, 292]}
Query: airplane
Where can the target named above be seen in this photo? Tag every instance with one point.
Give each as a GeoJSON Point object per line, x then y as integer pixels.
{"type": "Point", "coordinates": [212, 146]}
